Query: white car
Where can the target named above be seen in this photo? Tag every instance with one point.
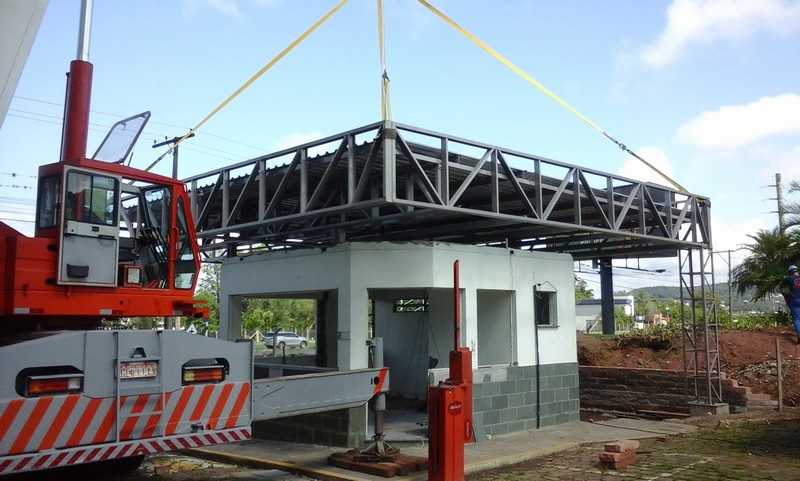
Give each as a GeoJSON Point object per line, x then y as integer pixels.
{"type": "Point", "coordinates": [285, 339]}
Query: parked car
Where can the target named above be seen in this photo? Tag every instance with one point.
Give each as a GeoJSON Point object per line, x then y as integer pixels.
{"type": "Point", "coordinates": [285, 339]}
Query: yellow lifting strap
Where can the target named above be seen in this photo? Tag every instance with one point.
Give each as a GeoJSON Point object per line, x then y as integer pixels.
{"type": "Point", "coordinates": [252, 79]}
{"type": "Point", "coordinates": [544, 89]}
{"type": "Point", "coordinates": [386, 107]}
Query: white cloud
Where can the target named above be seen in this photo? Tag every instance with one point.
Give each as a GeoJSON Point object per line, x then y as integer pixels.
{"type": "Point", "coordinates": [731, 236]}
{"type": "Point", "coordinates": [690, 22]}
{"type": "Point", "coordinates": [226, 7]}
{"type": "Point", "coordinates": [737, 125]}
{"type": "Point", "coordinates": [637, 170]}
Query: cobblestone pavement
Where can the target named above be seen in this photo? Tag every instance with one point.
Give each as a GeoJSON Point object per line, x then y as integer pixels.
{"type": "Point", "coordinates": [746, 450]}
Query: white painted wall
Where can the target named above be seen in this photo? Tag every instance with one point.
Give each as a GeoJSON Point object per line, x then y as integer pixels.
{"type": "Point", "coordinates": [354, 270]}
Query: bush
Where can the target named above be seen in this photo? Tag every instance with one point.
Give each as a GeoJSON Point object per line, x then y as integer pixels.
{"type": "Point", "coordinates": [657, 337]}
{"type": "Point", "coordinates": [753, 321]}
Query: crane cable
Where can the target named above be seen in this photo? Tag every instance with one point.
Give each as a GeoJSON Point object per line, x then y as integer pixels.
{"type": "Point", "coordinates": [544, 89]}
{"type": "Point", "coordinates": [386, 107]}
{"type": "Point", "coordinates": [252, 79]}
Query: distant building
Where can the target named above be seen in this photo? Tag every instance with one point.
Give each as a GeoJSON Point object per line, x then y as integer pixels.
{"type": "Point", "coordinates": [587, 313]}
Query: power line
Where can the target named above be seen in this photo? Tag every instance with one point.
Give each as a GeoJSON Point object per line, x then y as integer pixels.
{"type": "Point", "coordinates": [147, 135]}
{"type": "Point", "coordinates": [117, 116]}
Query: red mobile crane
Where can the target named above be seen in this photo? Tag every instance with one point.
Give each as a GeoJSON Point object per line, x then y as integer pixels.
{"type": "Point", "coordinates": [110, 242]}
{"type": "Point", "coordinates": [113, 242]}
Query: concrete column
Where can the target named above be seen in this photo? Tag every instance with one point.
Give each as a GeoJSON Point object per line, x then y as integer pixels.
{"type": "Point", "coordinates": [607, 297]}
{"type": "Point", "coordinates": [230, 322]}
{"type": "Point", "coordinates": [469, 322]}
{"type": "Point", "coordinates": [352, 331]}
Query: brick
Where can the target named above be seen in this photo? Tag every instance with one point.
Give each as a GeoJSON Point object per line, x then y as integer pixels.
{"type": "Point", "coordinates": [621, 446]}
{"type": "Point", "coordinates": [608, 457]}
{"type": "Point", "coordinates": [399, 465]}
{"type": "Point", "coordinates": [161, 470]}
{"type": "Point", "coordinates": [620, 464]}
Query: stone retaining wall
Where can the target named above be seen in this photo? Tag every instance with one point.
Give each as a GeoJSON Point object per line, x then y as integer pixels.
{"type": "Point", "coordinates": [639, 390]}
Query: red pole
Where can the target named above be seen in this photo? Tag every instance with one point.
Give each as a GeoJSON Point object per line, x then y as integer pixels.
{"type": "Point", "coordinates": [456, 308]}
{"type": "Point", "coordinates": [76, 110]}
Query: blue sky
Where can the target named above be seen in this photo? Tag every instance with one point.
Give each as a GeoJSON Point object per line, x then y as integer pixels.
{"type": "Point", "coordinates": [707, 90]}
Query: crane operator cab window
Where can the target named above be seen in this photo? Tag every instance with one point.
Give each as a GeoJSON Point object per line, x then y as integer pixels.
{"type": "Point", "coordinates": [88, 251]}
{"type": "Point", "coordinates": [48, 203]}
{"type": "Point", "coordinates": [91, 198]}
{"type": "Point", "coordinates": [186, 265]}
{"type": "Point", "coordinates": [156, 233]}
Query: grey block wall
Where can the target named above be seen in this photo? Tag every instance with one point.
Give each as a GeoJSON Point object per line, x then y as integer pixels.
{"type": "Point", "coordinates": [505, 399]}
{"type": "Point", "coordinates": [343, 428]}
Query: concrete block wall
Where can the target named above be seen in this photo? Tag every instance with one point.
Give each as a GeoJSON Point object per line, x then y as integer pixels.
{"type": "Point", "coordinates": [343, 428]}
{"type": "Point", "coordinates": [505, 400]}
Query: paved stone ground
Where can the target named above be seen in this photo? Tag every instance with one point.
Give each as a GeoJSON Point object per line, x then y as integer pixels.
{"type": "Point", "coordinates": [743, 450]}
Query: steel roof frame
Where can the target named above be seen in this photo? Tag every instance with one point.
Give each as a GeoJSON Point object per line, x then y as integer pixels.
{"type": "Point", "coordinates": [393, 182]}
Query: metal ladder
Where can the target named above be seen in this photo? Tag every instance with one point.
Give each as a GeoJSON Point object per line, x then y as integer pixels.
{"type": "Point", "coordinates": [160, 409]}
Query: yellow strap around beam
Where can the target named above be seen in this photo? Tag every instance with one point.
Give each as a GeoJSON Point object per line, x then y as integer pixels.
{"type": "Point", "coordinates": [386, 108]}
{"type": "Point", "coordinates": [544, 89]}
{"type": "Point", "coordinates": [252, 79]}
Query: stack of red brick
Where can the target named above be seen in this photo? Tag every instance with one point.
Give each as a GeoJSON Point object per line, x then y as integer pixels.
{"type": "Point", "coordinates": [620, 454]}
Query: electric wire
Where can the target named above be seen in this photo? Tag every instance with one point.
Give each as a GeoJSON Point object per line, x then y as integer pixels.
{"type": "Point", "coordinates": [119, 117]}
{"type": "Point", "coordinates": [250, 81]}
{"type": "Point", "coordinates": [147, 134]}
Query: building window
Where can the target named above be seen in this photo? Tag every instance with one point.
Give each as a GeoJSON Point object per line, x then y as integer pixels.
{"type": "Point", "coordinates": [411, 305]}
{"type": "Point", "coordinates": [544, 305]}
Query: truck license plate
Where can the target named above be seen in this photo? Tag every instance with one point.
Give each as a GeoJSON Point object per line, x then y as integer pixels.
{"type": "Point", "coordinates": [133, 370]}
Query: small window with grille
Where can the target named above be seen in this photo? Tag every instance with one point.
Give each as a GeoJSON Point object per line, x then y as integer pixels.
{"type": "Point", "coordinates": [411, 305]}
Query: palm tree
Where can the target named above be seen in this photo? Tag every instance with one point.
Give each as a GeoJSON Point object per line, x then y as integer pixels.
{"type": "Point", "coordinates": [792, 209]}
{"type": "Point", "coordinates": [765, 266]}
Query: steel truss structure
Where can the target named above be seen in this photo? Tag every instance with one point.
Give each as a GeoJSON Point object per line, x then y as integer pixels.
{"type": "Point", "coordinates": [393, 182]}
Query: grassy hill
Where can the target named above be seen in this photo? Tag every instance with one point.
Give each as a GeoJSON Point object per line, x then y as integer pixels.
{"type": "Point", "coordinates": [739, 303]}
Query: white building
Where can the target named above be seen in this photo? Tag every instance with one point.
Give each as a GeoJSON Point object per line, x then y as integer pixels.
{"type": "Point", "coordinates": [587, 313]}
{"type": "Point", "coordinates": [517, 318]}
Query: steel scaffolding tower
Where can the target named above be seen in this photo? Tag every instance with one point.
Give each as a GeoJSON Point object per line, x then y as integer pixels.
{"type": "Point", "coordinates": [700, 329]}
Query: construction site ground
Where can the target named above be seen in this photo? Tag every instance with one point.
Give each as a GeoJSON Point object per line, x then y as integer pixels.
{"type": "Point", "coordinates": [749, 447]}
{"type": "Point", "coordinates": [761, 446]}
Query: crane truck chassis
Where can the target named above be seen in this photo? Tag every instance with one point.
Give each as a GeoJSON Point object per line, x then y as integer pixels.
{"type": "Point", "coordinates": [114, 242]}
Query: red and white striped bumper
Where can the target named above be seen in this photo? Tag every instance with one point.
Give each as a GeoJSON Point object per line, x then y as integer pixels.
{"type": "Point", "coordinates": [87, 454]}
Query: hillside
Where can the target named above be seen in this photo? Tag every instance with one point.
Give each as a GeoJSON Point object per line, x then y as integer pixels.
{"type": "Point", "coordinates": [747, 356]}
{"type": "Point", "coordinates": [739, 303]}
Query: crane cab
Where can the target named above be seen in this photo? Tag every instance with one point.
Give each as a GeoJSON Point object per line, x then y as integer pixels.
{"type": "Point", "coordinates": [110, 242]}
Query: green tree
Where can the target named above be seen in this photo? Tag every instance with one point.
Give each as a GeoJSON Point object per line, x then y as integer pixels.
{"type": "Point", "coordinates": [208, 290]}
{"type": "Point", "coordinates": [765, 266]}
{"type": "Point", "coordinates": [792, 209]}
{"type": "Point", "coordinates": [269, 315]}
{"type": "Point", "coordinates": [213, 308]}
{"type": "Point", "coordinates": [582, 291]}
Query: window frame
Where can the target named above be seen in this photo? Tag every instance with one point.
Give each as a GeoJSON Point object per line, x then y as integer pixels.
{"type": "Point", "coordinates": [545, 308]}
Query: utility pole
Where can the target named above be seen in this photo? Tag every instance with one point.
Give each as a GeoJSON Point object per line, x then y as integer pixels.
{"type": "Point", "coordinates": [169, 322]}
{"type": "Point", "coordinates": [174, 152]}
{"type": "Point", "coordinates": [781, 212]}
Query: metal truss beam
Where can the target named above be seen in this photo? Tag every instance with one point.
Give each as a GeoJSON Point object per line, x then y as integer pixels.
{"type": "Point", "coordinates": [388, 181]}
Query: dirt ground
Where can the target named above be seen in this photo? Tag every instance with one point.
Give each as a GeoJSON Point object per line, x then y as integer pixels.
{"type": "Point", "coordinates": [747, 356]}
